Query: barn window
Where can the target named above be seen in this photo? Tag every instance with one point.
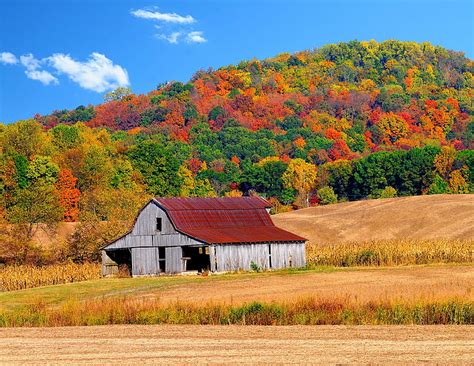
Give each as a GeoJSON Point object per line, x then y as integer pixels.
{"type": "Point", "coordinates": [158, 224]}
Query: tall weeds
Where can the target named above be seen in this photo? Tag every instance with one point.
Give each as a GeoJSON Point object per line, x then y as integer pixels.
{"type": "Point", "coordinates": [392, 253]}
{"type": "Point", "coordinates": [308, 311]}
{"type": "Point", "coordinates": [21, 277]}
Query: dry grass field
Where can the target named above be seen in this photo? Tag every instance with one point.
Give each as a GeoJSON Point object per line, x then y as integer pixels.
{"type": "Point", "coordinates": [238, 345]}
{"type": "Point", "coordinates": [391, 284]}
{"type": "Point", "coordinates": [360, 285]}
{"type": "Point", "coordinates": [419, 217]}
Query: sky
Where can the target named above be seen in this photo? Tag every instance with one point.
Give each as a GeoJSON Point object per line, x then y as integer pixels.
{"type": "Point", "coordinates": [59, 54]}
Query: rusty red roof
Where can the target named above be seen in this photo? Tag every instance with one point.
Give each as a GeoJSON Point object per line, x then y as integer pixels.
{"type": "Point", "coordinates": [225, 220]}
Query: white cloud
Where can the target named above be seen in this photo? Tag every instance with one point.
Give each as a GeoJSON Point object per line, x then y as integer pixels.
{"type": "Point", "coordinates": [42, 76]}
{"type": "Point", "coordinates": [33, 70]}
{"type": "Point", "coordinates": [171, 38]}
{"type": "Point", "coordinates": [195, 37]}
{"type": "Point", "coordinates": [165, 17]}
{"type": "Point", "coordinates": [8, 58]}
{"type": "Point", "coordinates": [30, 62]}
{"type": "Point", "coordinates": [98, 73]}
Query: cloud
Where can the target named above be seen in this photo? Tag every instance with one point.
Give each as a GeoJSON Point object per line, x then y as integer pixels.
{"type": "Point", "coordinates": [8, 58]}
{"type": "Point", "coordinates": [195, 37]}
{"type": "Point", "coordinates": [171, 38]}
{"type": "Point", "coordinates": [33, 70]}
{"type": "Point", "coordinates": [98, 73]}
{"type": "Point", "coordinates": [172, 27]}
{"type": "Point", "coordinates": [165, 17]}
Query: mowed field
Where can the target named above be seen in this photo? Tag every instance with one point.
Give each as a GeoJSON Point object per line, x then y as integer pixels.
{"type": "Point", "coordinates": [420, 217]}
{"type": "Point", "coordinates": [361, 285]}
{"type": "Point", "coordinates": [132, 344]}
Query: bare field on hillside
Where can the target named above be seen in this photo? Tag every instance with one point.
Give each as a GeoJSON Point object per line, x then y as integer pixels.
{"type": "Point", "coordinates": [391, 284]}
{"type": "Point", "coordinates": [420, 217]}
{"type": "Point", "coordinates": [237, 344]}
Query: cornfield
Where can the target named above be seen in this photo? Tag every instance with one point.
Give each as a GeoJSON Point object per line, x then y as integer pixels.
{"type": "Point", "coordinates": [392, 253]}
{"type": "Point", "coordinates": [21, 277]}
{"type": "Point", "coordinates": [306, 311]}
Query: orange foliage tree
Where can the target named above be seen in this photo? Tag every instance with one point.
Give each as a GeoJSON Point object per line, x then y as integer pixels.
{"type": "Point", "coordinates": [68, 195]}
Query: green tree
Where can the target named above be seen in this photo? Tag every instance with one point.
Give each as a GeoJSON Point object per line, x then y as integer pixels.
{"type": "Point", "coordinates": [37, 204]}
{"type": "Point", "coordinates": [159, 168]}
{"type": "Point", "coordinates": [117, 94]}
{"type": "Point", "coordinates": [326, 196]}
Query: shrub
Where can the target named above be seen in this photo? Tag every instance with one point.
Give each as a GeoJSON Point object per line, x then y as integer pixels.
{"type": "Point", "coordinates": [387, 192]}
{"type": "Point", "coordinates": [327, 196]}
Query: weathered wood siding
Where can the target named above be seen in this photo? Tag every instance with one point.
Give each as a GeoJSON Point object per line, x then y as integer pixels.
{"type": "Point", "coordinates": [146, 221]}
{"type": "Point", "coordinates": [233, 257]}
{"type": "Point", "coordinates": [145, 261]}
{"type": "Point", "coordinates": [174, 261]}
{"type": "Point", "coordinates": [109, 267]}
{"type": "Point", "coordinates": [285, 255]}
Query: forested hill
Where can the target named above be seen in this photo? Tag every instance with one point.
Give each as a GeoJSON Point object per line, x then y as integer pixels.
{"type": "Point", "coordinates": [362, 96]}
{"type": "Point", "coordinates": [346, 121]}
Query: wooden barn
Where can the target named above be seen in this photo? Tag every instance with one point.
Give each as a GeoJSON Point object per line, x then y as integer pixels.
{"type": "Point", "coordinates": [176, 235]}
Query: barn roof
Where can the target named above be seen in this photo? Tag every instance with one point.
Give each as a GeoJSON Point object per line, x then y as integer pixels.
{"type": "Point", "coordinates": [225, 220]}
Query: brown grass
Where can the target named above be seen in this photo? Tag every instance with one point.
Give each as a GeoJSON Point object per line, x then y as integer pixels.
{"type": "Point", "coordinates": [420, 218]}
{"type": "Point", "coordinates": [250, 345]}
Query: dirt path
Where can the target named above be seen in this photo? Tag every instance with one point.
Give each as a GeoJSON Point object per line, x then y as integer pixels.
{"type": "Point", "coordinates": [237, 344]}
{"type": "Point", "coordinates": [409, 283]}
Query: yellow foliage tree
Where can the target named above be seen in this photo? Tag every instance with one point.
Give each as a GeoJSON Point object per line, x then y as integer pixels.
{"type": "Point", "coordinates": [300, 176]}
{"type": "Point", "coordinates": [457, 182]}
{"type": "Point", "coordinates": [393, 126]}
{"type": "Point", "coordinates": [192, 187]}
{"type": "Point", "coordinates": [444, 161]}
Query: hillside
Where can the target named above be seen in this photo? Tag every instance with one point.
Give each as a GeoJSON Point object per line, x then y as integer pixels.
{"type": "Point", "coordinates": [423, 217]}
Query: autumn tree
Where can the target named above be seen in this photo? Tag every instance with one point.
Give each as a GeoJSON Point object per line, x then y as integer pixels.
{"type": "Point", "coordinates": [300, 176]}
{"type": "Point", "coordinates": [68, 195]}
{"type": "Point", "coordinates": [37, 204]}
{"type": "Point", "coordinates": [117, 94]}
{"type": "Point", "coordinates": [393, 127]}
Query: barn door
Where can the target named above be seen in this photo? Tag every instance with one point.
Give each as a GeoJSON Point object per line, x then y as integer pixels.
{"type": "Point", "coordinates": [173, 260]}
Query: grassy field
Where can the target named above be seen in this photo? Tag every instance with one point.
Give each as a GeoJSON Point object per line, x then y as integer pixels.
{"type": "Point", "coordinates": [387, 295]}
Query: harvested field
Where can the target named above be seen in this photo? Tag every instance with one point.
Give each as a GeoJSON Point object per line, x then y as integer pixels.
{"type": "Point", "coordinates": [420, 217]}
{"type": "Point", "coordinates": [238, 344]}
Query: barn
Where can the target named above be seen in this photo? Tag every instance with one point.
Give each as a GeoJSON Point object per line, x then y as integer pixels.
{"type": "Point", "coordinates": [177, 235]}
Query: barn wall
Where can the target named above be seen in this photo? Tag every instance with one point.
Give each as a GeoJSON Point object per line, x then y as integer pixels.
{"type": "Point", "coordinates": [285, 255]}
{"type": "Point", "coordinates": [173, 262]}
{"type": "Point", "coordinates": [145, 261]}
{"type": "Point", "coordinates": [234, 257]}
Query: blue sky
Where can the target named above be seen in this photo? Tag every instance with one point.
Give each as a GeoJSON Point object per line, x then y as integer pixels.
{"type": "Point", "coordinates": [61, 54]}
